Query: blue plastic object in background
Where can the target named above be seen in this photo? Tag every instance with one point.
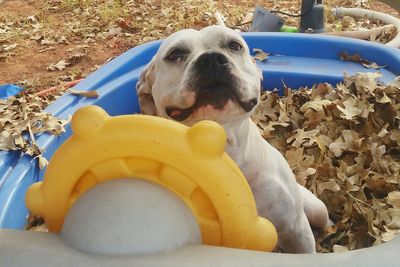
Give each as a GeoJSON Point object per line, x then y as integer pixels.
{"type": "Point", "coordinates": [8, 90]}
{"type": "Point", "coordinates": [296, 59]}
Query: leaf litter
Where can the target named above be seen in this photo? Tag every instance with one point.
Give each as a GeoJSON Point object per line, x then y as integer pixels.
{"type": "Point", "coordinates": [23, 117]}
{"type": "Point", "coordinates": [51, 27]}
{"type": "Point", "coordinates": [358, 59]}
{"type": "Point", "coordinates": [343, 143]}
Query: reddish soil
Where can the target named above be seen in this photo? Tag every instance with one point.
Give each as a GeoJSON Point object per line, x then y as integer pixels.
{"type": "Point", "coordinates": [28, 63]}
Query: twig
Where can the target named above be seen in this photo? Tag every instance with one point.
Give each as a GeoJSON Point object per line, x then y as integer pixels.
{"type": "Point", "coordinates": [243, 23]}
{"type": "Point", "coordinates": [42, 161]}
{"type": "Point", "coordinates": [55, 88]}
{"type": "Point", "coordinates": [366, 204]}
{"type": "Point", "coordinates": [31, 136]}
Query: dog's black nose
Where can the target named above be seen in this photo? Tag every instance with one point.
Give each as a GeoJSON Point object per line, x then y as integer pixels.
{"type": "Point", "coordinates": [211, 62]}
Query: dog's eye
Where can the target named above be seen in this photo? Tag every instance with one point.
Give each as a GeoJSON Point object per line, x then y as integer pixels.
{"type": "Point", "coordinates": [175, 55]}
{"type": "Point", "coordinates": [235, 46]}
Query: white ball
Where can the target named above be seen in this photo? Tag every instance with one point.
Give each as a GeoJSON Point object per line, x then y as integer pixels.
{"type": "Point", "coordinates": [129, 216]}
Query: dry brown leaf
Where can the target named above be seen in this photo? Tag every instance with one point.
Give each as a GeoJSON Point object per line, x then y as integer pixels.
{"type": "Point", "coordinates": [303, 176]}
{"type": "Point", "coordinates": [7, 141]}
{"type": "Point", "coordinates": [384, 99]}
{"type": "Point", "coordinates": [316, 104]}
{"type": "Point", "coordinates": [330, 185]}
{"type": "Point", "coordinates": [60, 65]}
{"type": "Point", "coordinates": [303, 138]}
{"type": "Point", "coordinates": [339, 248]}
{"type": "Point", "coordinates": [354, 58]}
{"type": "Point", "coordinates": [9, 47]}
{"type": "Point", "coordinates": [395, 218]}
{"type": "Point", "coordinates": [393, 199]}
{"type": "Point", "coordinates": [389, 234]}
{"type": "Point", "coordinates": [248, 18]}
{"type": "Point", "coordinates": [43, 162]}
{"type": "Point", "coordinates": [372, 65]}
{"type": "Point", "coordinates": [350, 111]}
{"type": "Point", "coordinates": [358, 59]}
{"type": "Point", "coordinates": [260, 55]}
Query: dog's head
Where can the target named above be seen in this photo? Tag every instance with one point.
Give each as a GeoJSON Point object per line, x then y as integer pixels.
{"type": "Point", "coordinates": [197, 75]}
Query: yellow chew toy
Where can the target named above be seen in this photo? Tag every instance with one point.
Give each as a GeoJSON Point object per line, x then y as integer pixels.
{"type": "Point", "coordinates": [188, 161]}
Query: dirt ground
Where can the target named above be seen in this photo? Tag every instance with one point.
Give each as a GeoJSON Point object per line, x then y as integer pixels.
{"type": "Point", "coordinates": [81, 35]}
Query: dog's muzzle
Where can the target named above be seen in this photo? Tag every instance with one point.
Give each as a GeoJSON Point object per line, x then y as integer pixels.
{"type": "Point", "coordinates": [212, 64]}
{"type": "Point", "coordinates": [214, 85]}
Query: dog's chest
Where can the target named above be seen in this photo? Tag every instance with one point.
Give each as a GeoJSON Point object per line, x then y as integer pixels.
{"type": "Point", "coordinates": [250, 165]}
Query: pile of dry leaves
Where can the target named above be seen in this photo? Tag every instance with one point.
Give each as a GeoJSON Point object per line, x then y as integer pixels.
{"type": "Point", "coordinates": [21, 118]}
{"type": "Point", "coordinates": [343, 143]}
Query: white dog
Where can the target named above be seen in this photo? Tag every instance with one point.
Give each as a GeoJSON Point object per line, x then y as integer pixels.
{"type": "Point", "coordinates": [210, 75]}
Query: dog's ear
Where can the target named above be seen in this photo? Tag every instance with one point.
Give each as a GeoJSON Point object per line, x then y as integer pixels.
{"type": "Point", "coordinates": [144, 88]}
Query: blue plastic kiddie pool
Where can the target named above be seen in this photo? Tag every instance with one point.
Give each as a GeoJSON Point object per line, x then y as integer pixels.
{"type": "Point", "coordinates": [296, 59]}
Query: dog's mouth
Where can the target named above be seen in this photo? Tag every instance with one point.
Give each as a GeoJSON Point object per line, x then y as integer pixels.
{"type": "Point", "coordinates": [216, 96]}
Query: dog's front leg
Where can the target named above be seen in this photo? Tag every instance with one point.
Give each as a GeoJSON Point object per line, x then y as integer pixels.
{"type": "Point", "coordinates": [273, 185]}
{"type": "Point", "coordinates": [285, 211]}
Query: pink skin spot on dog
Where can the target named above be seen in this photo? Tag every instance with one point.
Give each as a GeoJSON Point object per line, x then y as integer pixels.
{"type": "Point", "coordinates": [189, 97]}
{"type": "Point", "coordinates": [210, 110]}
